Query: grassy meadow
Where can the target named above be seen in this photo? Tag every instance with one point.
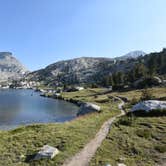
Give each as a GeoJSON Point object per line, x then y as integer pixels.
{"type": "Point", "coordinates": [135, 140]}
{"type": "Point", "coordinates": [18, 146]}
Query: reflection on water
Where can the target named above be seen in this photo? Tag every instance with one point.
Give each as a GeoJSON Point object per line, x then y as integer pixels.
{"type": "Point", "coordinates": [19, 107]}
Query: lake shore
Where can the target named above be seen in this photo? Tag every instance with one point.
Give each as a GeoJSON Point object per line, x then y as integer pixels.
{"type": "Point", "coordinates": [68, 137]}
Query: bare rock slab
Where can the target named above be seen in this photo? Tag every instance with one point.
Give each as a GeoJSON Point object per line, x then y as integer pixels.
{"type": "Point", "coordinates": [46, 152]}
{"type": "Point", "coordinates": [88, 108]}
{"type": "Point", "coordinates": [149, 105]}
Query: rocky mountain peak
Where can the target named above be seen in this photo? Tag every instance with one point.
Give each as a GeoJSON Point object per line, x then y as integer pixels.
{"type": "Point", "coordinates": [5, 55]}
{"type": "Point", "coordinates": [10, 67]}
{"type": "Point", "coordinates": [134, 54]}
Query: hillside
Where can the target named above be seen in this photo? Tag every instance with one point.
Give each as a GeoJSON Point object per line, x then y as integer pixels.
{"type": "Point", "coordinates": [10, 67]}
{"type": "Point", "coordinates": [84, 69]}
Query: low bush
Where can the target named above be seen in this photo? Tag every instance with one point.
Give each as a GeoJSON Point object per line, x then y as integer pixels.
{"type": "Point", "coordinates": [152, 113]}
{"type": "Point", "coordinates": [161, 148]}
{"type": "Point", "coordinates": [145, 133]}
{"type": "Point", "coordinates": [146, 95]}
{"type": "Point", "coordinates": [126, 121]}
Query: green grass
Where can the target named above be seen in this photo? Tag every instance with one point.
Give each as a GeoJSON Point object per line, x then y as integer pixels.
{"type": "Point", "coordinates": [134, 96]}
{"type": "Point", "coordinates": [135, 140]}
{"type": "Point", "coordinates": [18, 146]}
{"type": "Point", "coordinates": [157, 92]}
{"type": "Point", "coordinates": [142, 142]}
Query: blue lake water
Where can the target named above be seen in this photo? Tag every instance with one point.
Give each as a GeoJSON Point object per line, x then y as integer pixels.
{"type": "Point", "coordinates": [22, 107]}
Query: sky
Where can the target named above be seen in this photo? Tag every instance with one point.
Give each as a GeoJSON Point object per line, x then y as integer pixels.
{"type": "Point", "coordinates": [41, 32]}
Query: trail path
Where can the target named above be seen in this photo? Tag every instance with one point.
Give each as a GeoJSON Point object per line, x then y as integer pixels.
{"type": "Point", "coordinates": [85, 155]}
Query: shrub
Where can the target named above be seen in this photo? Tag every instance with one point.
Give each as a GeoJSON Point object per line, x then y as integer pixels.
{"type": "Point", "coordinates": [161, 148]}
{"type": "Point", "coordinates": [134, 101]}
{"type": "Point", "coordinates": [152, 113]}
{"type": "Point", "coordinates": [146, 95]}
{"type": "Point", "coordinates": [126, 121]}
{"type": "Point", "coordinates": [145, 133]}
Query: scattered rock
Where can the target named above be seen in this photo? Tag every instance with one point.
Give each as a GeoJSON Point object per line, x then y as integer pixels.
{"type": "Point", "coordinates": [121, 164]}
{"type": "Point", "coordinates": [108, 165]}
{"type": "Point", "coordinates": [47, 152]}
{"type": "Point", "coordinates": [149, 105]}
{"type": "Point", "coordinates": [121, 159]}
{"type": "Point", "coordinates": [88, 108]}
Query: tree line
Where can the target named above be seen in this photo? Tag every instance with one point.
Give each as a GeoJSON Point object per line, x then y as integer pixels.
{"type": "Point", "coordinates": [147, 66]}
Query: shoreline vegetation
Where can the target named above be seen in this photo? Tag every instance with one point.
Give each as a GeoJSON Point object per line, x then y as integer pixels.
{"type": "Point", "coordinates": [18, 146]}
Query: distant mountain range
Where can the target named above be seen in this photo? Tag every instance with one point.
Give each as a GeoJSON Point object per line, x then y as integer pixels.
{"type": "Point", "coordinates": [10, 67]}
{"type": "Point", "coordinates": [84, 69]}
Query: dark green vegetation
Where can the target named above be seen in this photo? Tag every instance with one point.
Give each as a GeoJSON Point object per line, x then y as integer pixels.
{"type": "Point", "coordinates": [17, 147]}
{"type": "Point", "coordinates": [145, 68]}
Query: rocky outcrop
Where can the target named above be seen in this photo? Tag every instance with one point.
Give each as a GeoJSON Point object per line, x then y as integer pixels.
{"type": "Point", "coordinates": [46, 152]}
{"type": "Point", "coordinates": [88, 108]}
{"type": "Point", "coordinates": [10, 67]}
{"type": "Point", "coordinates": [149, 105]}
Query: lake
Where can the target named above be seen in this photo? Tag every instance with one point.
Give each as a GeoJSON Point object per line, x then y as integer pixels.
{"type": "Point", "coordinates": [22, 107]}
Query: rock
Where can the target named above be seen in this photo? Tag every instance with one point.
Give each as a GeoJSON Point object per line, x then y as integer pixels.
{"type": "Point", "coordinates": [149, 105]}
{"type": "Point", "coordinates": [108, 165]}
{"type": "Point", "coordinates": [88, 108]}
{"type": "Point", "coordinates": [79, 88]}
{"type": "Point", "coordinates": [122, 159]}
{"type": "Point", "coordinates": [57, 94]}
{"type": "Point", "coordinates": [121, 164]}
{"type": "Point", "coordinates": [47, 152]}
{"type": "Point", "coordinates": [157, 79]}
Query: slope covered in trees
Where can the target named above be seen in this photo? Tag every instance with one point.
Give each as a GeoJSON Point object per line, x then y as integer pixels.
{"type": "Point", "coordinates": [146, 67]}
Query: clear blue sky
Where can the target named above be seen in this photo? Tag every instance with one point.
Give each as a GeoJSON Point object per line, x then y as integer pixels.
{"type": "Point", "coordinates": [40, 32]}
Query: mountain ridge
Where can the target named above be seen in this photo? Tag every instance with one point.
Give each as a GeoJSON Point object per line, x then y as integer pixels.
{"type": "Point", "coordinates": [82, 70]}
{"type": "Point", "coordinates": [10, 67]}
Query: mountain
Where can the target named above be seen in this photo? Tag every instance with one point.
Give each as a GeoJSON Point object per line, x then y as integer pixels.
{"type": "Point", "coordinates": [133, 54]}
{"type": "Point", "coordinates": [80, 70]}
{"type": "Point", "coordinates": [10, 67]}
{"type": "Point", "coordinates": [88, 70]}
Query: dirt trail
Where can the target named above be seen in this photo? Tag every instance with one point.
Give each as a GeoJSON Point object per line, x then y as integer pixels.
{"type": "Point", "coordinates": [85, 155]}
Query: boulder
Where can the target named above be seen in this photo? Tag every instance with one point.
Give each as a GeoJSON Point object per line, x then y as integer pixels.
{"type": "Point", "coordinates": [88, 108]}
{"type": "Point", "coordinates": [157, 79]}
{"type": "Point", "coordinates": [121, 164]}
{"type": "Point", "coordinates": [149, 105]}
{"type": "Point", "coordinates": [46, 152]}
